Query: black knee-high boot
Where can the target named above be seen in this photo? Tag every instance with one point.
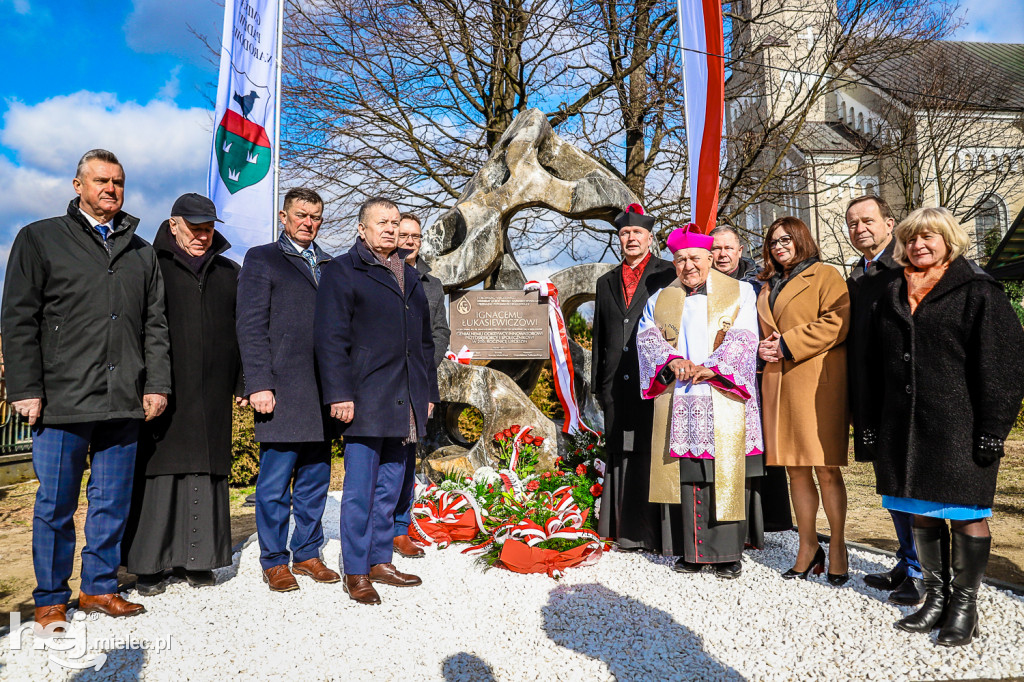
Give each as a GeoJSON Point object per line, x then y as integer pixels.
{"type": "Point", "coordinates": [933, 551]}
{"type": "Point", "coordinates": [970, 559]}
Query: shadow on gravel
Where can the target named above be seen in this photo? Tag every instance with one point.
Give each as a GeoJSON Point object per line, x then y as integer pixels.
{"type": "Point", "coordinates": [636, 641]}
{"type": "Point", "coordinates": [465, 667]}
{"type": "Point", "coordinates": [125, 665]}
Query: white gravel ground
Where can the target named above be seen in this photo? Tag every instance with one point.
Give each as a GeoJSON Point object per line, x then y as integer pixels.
{"type": "Point", "coordinates": [629, 617]}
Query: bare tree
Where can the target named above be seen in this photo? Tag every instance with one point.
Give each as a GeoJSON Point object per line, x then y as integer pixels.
{"type": "Point", "coordinates": [787, 60]}
{"type": "Point", "coordinates": [956, 140]}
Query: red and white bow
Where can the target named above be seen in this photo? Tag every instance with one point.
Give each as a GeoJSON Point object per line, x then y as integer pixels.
{"type": "Point", "coordinates": [463, 357]}
{"type": "Point", "coordinates": [561, 359]}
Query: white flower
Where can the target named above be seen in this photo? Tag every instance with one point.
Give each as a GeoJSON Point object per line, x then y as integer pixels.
{"type": "Point", "coordinates": [485, 475]}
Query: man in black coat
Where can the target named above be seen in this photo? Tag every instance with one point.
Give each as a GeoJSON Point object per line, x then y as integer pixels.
{"type": "Point", "coordinates": [870, 223]}
{"type": "Point", "coordinates": [375, 352]}
{"type": "Point", "coordinates": [626, 514]}
{"type": "Point", "coordinates": [276, 301]}
{"type": "Point", "coordinates": [410, 238]}
{"type": "Point", "coordinates": [86, 348]}
{"type": "Point", "coordinates": [180, 517]}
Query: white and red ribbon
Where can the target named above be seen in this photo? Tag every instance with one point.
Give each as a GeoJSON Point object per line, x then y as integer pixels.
{"type": "Point", "coordinates": [463, 357]}
{"type": "Point", "coordinates": [561, 359]}
{"type": "Point", "coordinates": [701, 37]}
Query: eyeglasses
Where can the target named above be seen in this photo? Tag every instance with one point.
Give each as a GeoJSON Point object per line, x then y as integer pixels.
{"type": "Point", "coordinates": [411, 237]}
{"type": "Point", "coordinates": [784, 240]}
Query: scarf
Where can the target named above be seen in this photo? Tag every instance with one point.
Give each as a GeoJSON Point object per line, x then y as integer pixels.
{"type": "Point", "coordinates": [920, 282]}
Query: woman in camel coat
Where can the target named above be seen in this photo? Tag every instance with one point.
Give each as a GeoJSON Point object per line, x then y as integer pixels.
{"type": "Point", "coordinates": [804, 312]}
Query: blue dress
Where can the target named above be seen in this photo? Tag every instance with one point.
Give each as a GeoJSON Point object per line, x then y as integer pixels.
{"type": "Point", "coordinates": [937, 510]}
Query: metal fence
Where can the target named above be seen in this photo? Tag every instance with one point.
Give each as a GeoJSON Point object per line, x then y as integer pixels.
{"type": "Point", "coordinates": [15, 434]}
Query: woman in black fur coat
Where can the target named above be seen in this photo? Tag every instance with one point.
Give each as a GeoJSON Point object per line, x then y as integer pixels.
{"type": "Point", "coordinates": [952, 354]}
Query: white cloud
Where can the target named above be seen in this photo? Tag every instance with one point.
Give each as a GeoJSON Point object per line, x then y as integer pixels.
{"type": "Point", "coordinates": [165, 151]}
{"type": "Point", "coordinates": [992, 21]}
{"type": "Point", "coordinates": [172, 86]}
{"type": "Point", "coordinates": [21, 7]}
{"type": "Point", "coordinates": [159, 26]}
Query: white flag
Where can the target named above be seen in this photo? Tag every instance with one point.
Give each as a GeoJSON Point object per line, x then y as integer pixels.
{"type": "Point", "coordinates": [241, 176]}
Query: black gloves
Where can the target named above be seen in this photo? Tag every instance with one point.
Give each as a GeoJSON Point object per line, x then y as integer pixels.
{"type": "Point", "coordinates": [987, 449]}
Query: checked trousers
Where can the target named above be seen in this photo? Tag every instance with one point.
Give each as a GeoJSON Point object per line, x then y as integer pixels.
{"type": "Point", "coordinates": [58, 456]}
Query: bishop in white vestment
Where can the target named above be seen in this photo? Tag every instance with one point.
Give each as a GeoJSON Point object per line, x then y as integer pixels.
{"type": "Point", "coordinates": [697, 343]}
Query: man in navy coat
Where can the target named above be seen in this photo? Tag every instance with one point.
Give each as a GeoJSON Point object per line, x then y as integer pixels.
{"type": "Point", "coordinates": [276, 299]}
{"type": "Point", "coordinates": [375, 352]}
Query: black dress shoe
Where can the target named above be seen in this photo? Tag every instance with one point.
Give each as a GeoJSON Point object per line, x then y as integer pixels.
{"type": "Point", "coordinates": [684, 566]}
{"type": "Point", "coordinates": [910, 593]}
{"type": "Point", "coordinates": [888, 581]}
{"type": "Point", "coordinates": [200, 578]}
{"type": "Point", "coordinates": [196, 578]}
{"type": "Point", "coordinates": [151, 585]}
{"type": "Point", "coordinates": [729, 570]}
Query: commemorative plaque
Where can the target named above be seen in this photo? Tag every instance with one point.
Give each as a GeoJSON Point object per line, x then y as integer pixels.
{"type": "Point", "coordinates": [499, 325]}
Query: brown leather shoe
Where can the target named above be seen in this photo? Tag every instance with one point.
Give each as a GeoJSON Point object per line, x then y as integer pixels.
{"type": "Point", "coordinates": [48, 615]}
{"type": "Point", "coordinates": [280, 579]}
{"type": "Point", "coordinates": [360, 589]}
{"type": "Point", "coordinates": [111, 604]}
{"type": "Point", "coordinates": [406, 547]}
{"type": "Point", "coordinates": [389, 575]}
{"type": "Point", "coordinates": [316, 570]}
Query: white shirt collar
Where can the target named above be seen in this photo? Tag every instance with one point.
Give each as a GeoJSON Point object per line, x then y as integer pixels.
{"type": "Point", "coordinates": [93, 222]}
{"type": "Point", "coordinates": [299, 249]}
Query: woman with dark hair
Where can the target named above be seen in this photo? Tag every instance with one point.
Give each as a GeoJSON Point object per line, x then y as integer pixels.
{"type": "Point", "coordinates": [948, 391]}
{"type": "Point", "coordinates": [804, 311]}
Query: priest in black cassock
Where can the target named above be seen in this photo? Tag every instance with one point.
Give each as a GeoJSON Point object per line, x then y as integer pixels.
{"type": "Point", "coordinates": [626, 515]}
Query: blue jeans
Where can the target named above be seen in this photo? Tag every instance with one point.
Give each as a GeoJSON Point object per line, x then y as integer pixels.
{"type": "Point", "coordinates": [58, 457]}
{"type": "Point", "coordinates": [403, 513]}
{"type": "Point", "coordinates": [375, 473]}
{"type": "Point", "coordinates": [293, 480]}
{"type": "Point", "coordinates": [907, 552]}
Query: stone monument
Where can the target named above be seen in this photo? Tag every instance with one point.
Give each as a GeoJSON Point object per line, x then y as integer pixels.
{"type": "Point", "coordinates": [530, 167]}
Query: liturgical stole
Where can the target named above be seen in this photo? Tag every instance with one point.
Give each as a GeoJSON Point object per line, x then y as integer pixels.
{"type": "Point", "coordinates": [729, 411]}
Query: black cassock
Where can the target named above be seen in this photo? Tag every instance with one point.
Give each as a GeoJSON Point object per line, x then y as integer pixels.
{"type": "Point", "coordinates": [626, 514]}
{"type": "Point", "coordinates": [180, 515]}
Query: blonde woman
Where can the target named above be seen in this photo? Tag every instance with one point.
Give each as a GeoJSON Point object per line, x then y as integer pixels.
{"type": "Point", "coordinates": [949, 388]}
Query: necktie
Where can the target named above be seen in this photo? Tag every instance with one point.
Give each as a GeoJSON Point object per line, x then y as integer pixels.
{"type": "Point", "coordinates": [310, 258]}
{"type": "Point", "coordinates": [103, 230]}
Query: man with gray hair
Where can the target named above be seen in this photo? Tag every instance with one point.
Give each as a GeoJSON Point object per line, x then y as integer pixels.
{"type": "Point", "coordinates": [87, 350]}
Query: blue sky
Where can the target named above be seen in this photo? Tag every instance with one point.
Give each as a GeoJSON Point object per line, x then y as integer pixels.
{"type": "Point", "coordinates": [129, 75]}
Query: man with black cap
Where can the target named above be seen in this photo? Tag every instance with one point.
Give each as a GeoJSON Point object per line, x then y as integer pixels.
{"type": "Point", "coordinates": [180, 520]}
{"type": "Point", "coordinates": [626, 515]}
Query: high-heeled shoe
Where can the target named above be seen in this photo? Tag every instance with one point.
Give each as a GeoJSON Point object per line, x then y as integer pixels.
{"type": "Point", "coordinates": [817, 566]}
{"type": "Point", "coordinates": [839, 579]}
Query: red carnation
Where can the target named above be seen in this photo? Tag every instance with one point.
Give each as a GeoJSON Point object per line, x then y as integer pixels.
{"type": "Point", "coordinates": [532, 485]}
{"type": "Point", "coordinates": [538, 440]}
{"type": "Point", "coordinates": [508, 434]}
{"type": "Point", "coordinates": [559, 473]}
{"type": "Point", "coordinates": [581, 469]}
{"type": "Point", "coordinates": [596, 490]}
{"type": "Point", "coordinates": [558, 460]}
{"type": "Point", "coordinates": [590, 447]}
{"type": "Point", "coordinates": [515, 429]}
{"type": "Point", "coordinates": [546, 475]}
{"type": "Point", "coordinates": [528, 439]}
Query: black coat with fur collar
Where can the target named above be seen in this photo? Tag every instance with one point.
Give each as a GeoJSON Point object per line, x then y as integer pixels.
{"type": "Point", "coordinates": [948, 385]}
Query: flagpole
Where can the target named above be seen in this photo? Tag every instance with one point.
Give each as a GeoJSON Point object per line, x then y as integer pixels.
{"type": "Point", "coordinates": [277, 120]}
